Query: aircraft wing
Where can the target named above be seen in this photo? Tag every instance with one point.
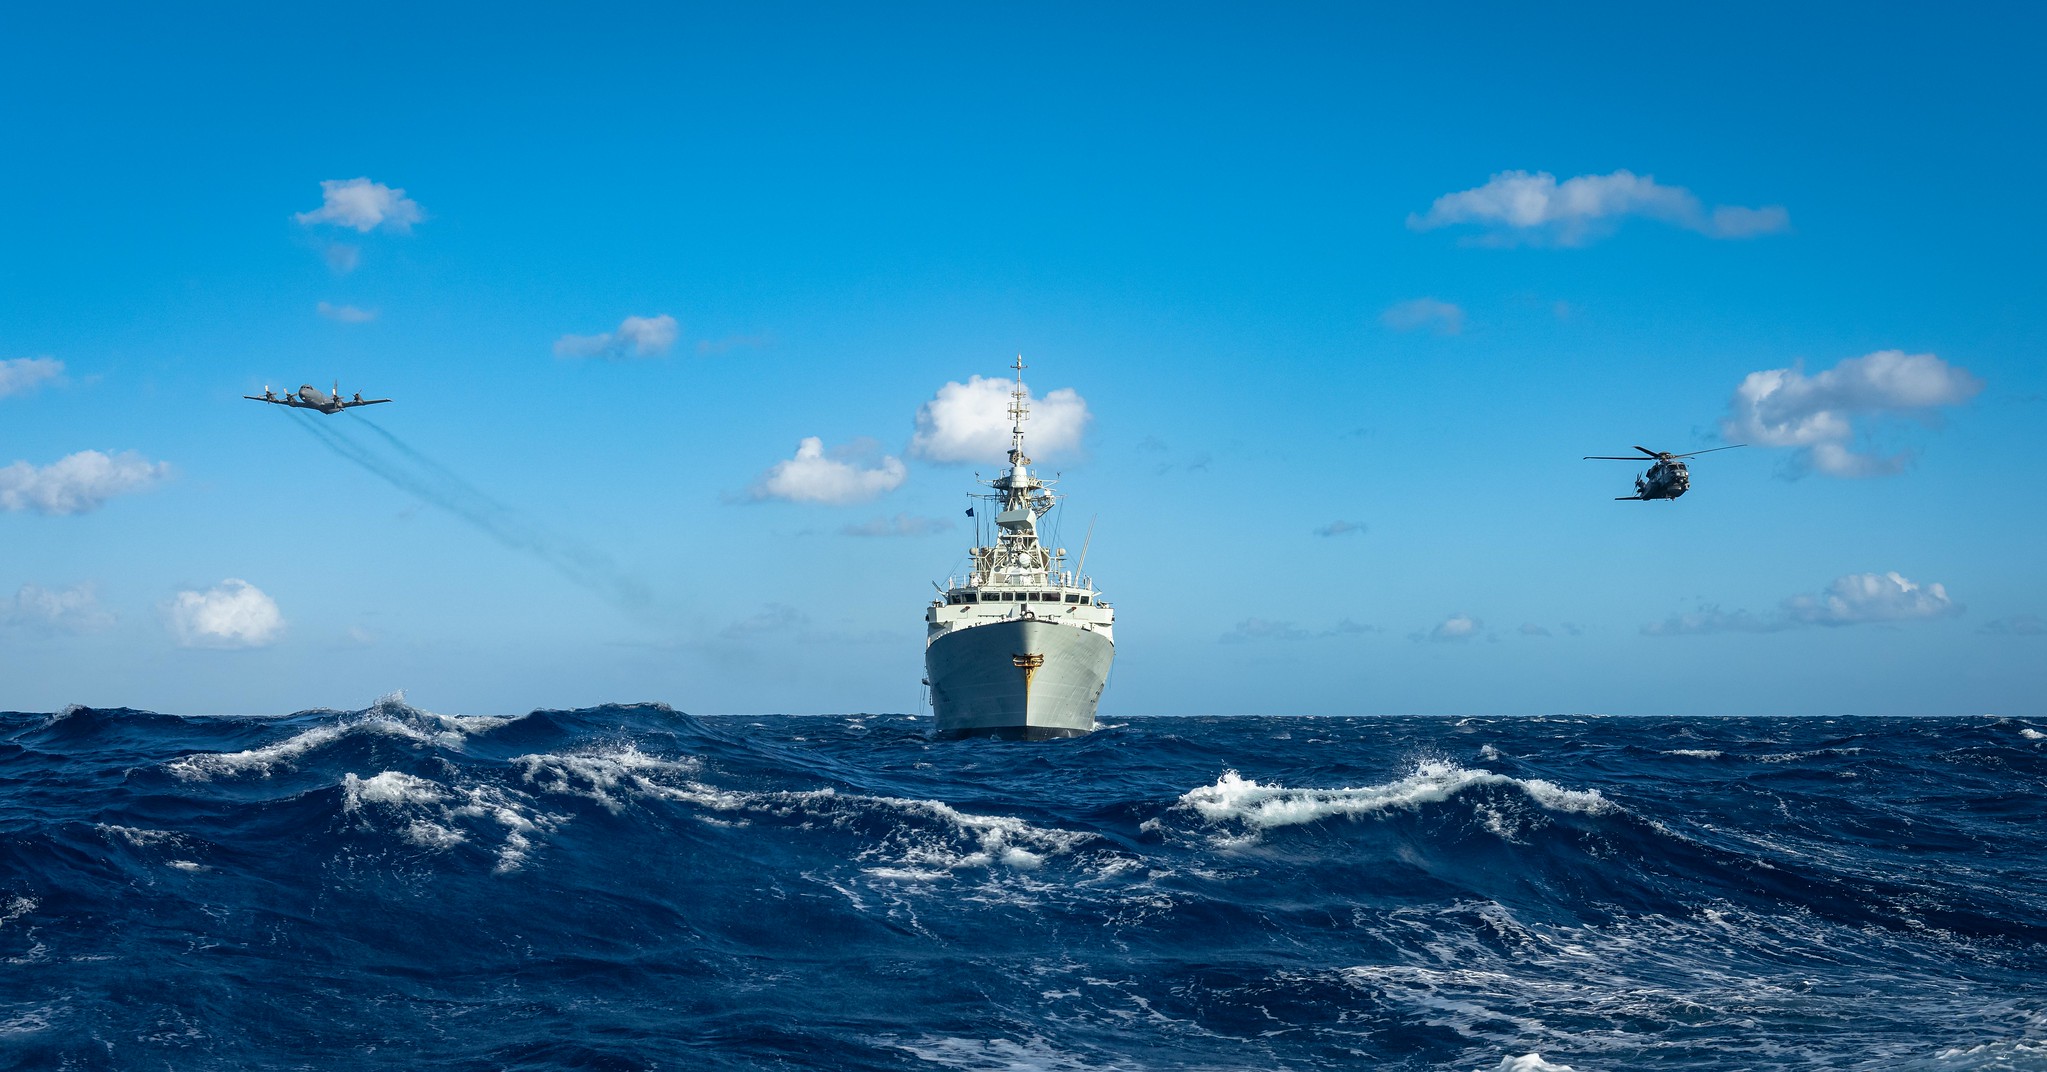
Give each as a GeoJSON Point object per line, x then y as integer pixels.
{"type": "Point", "coordinates": [363, 402]}
{"type": "Point", "coordinates": [272, 400]}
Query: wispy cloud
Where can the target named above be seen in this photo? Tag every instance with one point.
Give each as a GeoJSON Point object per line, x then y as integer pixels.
{"type": "Point", "coordinates": [773, 618]}
{"type": "Point", "coordinates": [1854, 599]}
{"type": "Point", "coordinates": [969, 422]}
{"type": "Point", "coordinates": [1263, 629]}
{"type": "Point", "coordinates": [1445, 318]}
{"type": "Point", "coordinates": [716, 347]}
{"type": "Point", "coordinates": [2017, 625]}
{"type": "Point", "coordinates": [76, 484]}
{"type": "Point", "coordinates": [636, 336]}
{"type": "Point", "coordinates": [1814, 414]}
{"type": "Point", "coordinates": [346, 314]}
{"type": "Point", "coordinates": [1341, 528]}
{"type": "Point", "coordinates": [342, 257]}
{"type": "Point", "coordinates": [57, 610]}
{"type": "Point", "coordinates": [231, 614]}
{"type": "Point", "coordinates": [20, 375]}
{"type": "Point", "coordinates": [1532, 629]}
{"type": "Point", "coordinates": [1534, 208]}
{"type": "Point", "coordinates": [363, 205]}
{"type": "Point", "coordinates": [838, 478]}
{"type": "Point", "coordinates": [899, 525]}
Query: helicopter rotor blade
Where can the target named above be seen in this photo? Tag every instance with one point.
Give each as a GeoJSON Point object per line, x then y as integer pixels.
{"type": "Point", "coordinates": [1709, 450]}
{"type": "Point", "coordinates": [1608, 458]}
{"type": "Point", "coordinates": [1651, 453]}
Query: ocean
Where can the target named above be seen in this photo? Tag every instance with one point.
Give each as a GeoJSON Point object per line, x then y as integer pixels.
{"type": "Point", "coordinates": [631, 887]}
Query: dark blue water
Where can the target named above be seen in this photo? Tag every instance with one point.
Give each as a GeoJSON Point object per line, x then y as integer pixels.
{"type": "Point", "coordinates": [633, 888]}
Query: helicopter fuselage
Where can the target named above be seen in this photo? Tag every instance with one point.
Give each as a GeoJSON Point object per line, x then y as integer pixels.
{"type": "Point", "coordinates": [1664, 480]}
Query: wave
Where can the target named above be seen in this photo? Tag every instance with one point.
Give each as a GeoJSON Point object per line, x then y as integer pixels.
{"type": "Point", "coordinates": [1251, 807]}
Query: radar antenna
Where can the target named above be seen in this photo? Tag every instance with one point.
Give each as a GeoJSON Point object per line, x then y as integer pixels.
{"type": "Point", "coordinates": [1019, 411]}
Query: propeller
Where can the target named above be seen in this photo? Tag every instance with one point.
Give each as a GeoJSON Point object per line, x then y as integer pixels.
{"type": "Point", "coordinates": [1661, 456]}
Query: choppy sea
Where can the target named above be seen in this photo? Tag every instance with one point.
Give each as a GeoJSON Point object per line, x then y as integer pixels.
{"type": "Point", "coordinates": [637, 888]}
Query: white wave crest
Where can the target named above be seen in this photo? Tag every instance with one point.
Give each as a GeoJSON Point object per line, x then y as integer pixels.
{"type": "Point", "coordinates": [1528, 1062]}
{"type": "Point", "coordinates": [2031, 734]}
{"type": "Point", "coordinates": [1696, 753]}
{"type": "Point", "coordinates": [391, 787]}
{"type": "Point", "coordinates": [606, 777]}
{"type": "Point", "coordinates": [390, 719]}
{"type": "Point", "coordinates": [1234, 799]}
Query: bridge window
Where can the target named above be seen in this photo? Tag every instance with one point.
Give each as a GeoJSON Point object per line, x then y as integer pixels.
{"type": "Point", "coordinates": [1087, 599]}
{"type": "Point", "coordinates": [1049, 597]}
{"type": "Point", "coordinates": [1073, 597]}
{"type": "Point", "coordinates": [967, 597]}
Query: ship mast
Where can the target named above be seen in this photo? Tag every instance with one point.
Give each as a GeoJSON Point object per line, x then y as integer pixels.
{"type": "Point", "coordinates": [1017, 557]}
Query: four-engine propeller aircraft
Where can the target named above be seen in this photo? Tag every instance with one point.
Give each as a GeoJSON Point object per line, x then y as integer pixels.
{"type": "Point", "coordinates": [311, 397]}
{"type": "Point", "coordinates": [1666, 478]}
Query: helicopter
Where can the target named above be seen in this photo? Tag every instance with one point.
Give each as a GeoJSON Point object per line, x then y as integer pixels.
{"type": "Point", "coordinates": [1666, 478]}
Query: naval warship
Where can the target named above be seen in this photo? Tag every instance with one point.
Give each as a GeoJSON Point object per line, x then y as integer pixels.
{"type": "Point", "coordinates": [1021, 646]}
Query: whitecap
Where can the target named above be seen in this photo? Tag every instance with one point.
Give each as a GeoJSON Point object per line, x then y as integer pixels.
{"type": "Point", "coordinates": [1236, 799]}
{"type": "Point", "coordinates": [1696, 753]}
{"type": "Point", "coordinates": [1528, 1062]}
{"type": "Point", "coordinates": [2031, 734]}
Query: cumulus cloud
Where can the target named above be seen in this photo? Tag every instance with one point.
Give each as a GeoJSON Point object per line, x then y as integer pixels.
{"type": "Point", "coordinates": [1445, 318]}
{"type": "Point", "coordinates": [837, 478]}
{"type": "Point", "coordinates": [58, 610]}
{"type": "Point", "coordinates": [231, 614]}
{"type": "Point", "coordinates": [899, 525]}
{"type": "Point", "coordinates": [1341, 528]}
{"type": "Point", "coordinates": [1262, 629]}
{"type": "Point", "coordinates": [1814, 414]}
{"type": "Point", "coordinates": [1456, 627]}
{"type": "Point", "coordinates": [969, 422]}
{"type": "Point", "coordinates": [347, 314]}
{"type": "Point", "coordinates": [636, 336]}
{"type": "Point", "coordinates": [1854, 599]}
{"type": "Point", "coordinates": [1519, 206]}
{"type": "Point", "coordinates": [2017, 625]}
{"type": "Point", "coordinates": [20, 375]}
{"type": "Point", "coordinates": [363, 205]}
{"type": "Point", "coordinates": [76, 484]}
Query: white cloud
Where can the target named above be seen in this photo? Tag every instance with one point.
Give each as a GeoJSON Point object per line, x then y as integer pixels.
{"type": "Point", "coordinates": [837, 479]}
{"type": "Point", "coordinates": [1341, 528]}
{"type": "Point", "coordinates": [969, 422]}
{"type": "Point", "coordinates": [61, 610]}
{"type": "Point", "coordinates": [231, 614]}
{"type": "Point", "coordinates": [636, 336]}
{"type": "Point", "coordinates": [347, 314]}
{"type": "Point", "coordinates": [1456, 627]}
{"type": "Point", "coordinates": [1854, 599]}
{"type": "Point", "coordinates": [1786, 408]}
{"type": "Point", "coordinates": [1536, 208]}
{"type": "Point", "coordinates": [1445, 318]}
{"type": "Point", "coordinates": [363, 205]}
{"type": "Point", "coordinates": [20, 375]}
{"type": "Point", "coordinates": [900, 525]}
{"type": "Point", "coordinates": [77, 484]}
{"type": "Point", "coordinates": [1872, 597]}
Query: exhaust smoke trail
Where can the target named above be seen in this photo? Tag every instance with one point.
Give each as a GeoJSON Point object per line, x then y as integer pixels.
{"type": "Point", "coordinates": [436, 485]}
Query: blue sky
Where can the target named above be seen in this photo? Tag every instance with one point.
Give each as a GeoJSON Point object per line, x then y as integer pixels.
{"type": "Point", "coordinates": [1341, 298]}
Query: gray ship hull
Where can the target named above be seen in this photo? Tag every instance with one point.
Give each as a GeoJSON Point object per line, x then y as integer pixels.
{"type": "Point", "coordinates": [1024, 678]}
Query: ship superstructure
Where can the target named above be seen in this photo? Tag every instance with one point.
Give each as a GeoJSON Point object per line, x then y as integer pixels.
{"type": "Point", "coordinates": [1021, 646]}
